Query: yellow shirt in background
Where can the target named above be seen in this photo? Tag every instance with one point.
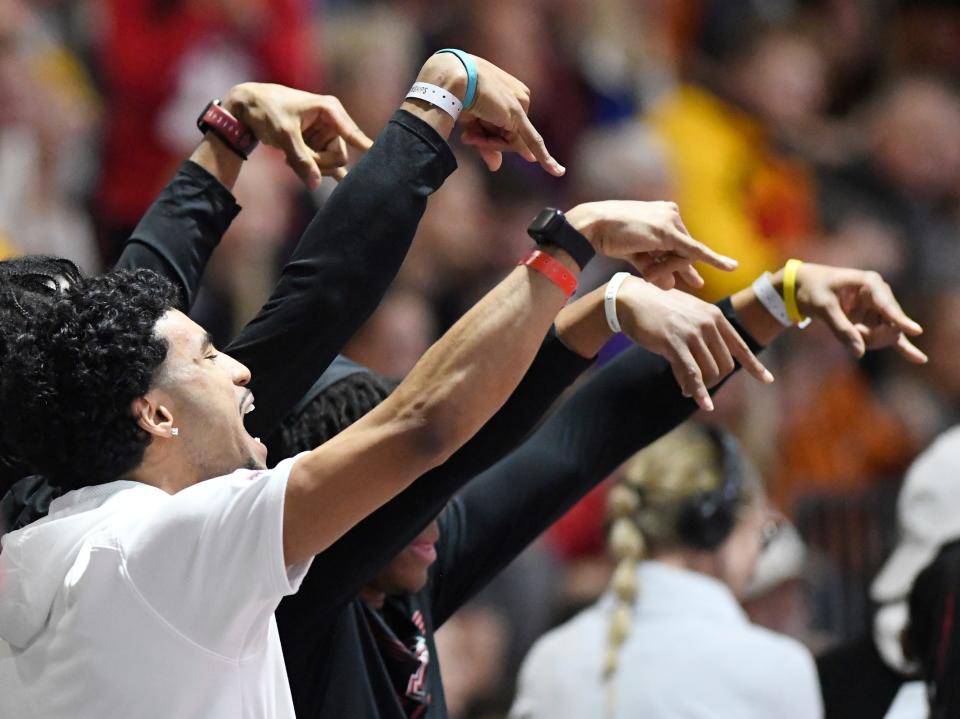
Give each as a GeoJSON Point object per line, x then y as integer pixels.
{"type": "Point", "coordinates": [735, 193]}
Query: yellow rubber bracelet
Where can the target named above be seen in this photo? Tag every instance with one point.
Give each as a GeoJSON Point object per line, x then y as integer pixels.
{"type": "Point", "coordinates": [790, 290]}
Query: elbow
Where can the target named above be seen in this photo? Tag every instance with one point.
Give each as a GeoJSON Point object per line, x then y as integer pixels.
{"type": "Point", "coordinates": [434, 433]}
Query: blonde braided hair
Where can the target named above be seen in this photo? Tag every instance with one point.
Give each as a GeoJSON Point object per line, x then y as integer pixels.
{"type": "Point", "coordinates": [644, 507]}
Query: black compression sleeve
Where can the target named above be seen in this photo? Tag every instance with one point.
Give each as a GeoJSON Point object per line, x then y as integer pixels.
{"type": "Point", "coordinates": [181, 230]}
{"type": "Point", "coordinates": [360, 553]}
{"type": "Point", "coordinates": [342, 267]}
{"type": "Point", "coordinates": [629, 404]}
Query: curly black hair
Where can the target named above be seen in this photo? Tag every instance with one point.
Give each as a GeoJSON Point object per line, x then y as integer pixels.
{"type": "Point", "coordinates": [73, 369]}
{"type": "Point", "coordinates": [27, 284]}
{"type": "Point", "coordinates": [329, 413]}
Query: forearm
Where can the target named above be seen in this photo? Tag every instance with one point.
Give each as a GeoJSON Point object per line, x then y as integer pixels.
{"type": "Point", "coordinates": [364, 550]}
{"type": "Point", "coordinates": [182, 228]}
{"type": "Point", "coordinates": [623, 408]}
{"type": "Point", "coordinates": [342, 266]}
{"type": "Point", "coordinates": [754, 317]}
{"type": "Point", "coordinates": [449, 394]}
{"type": "Point", "coordinates": [216, 158]}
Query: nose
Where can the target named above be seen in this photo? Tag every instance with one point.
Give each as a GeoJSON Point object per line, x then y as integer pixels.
{"type": "Point", "coordinates": [238, 372]}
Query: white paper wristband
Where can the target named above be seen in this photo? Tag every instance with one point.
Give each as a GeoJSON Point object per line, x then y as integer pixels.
{"type": "Point", "coordinates": [610, 300]}
{"type": "Point", "coordinates": [438, 97]}
{"type": "Point", "coordinates": [771, 299]}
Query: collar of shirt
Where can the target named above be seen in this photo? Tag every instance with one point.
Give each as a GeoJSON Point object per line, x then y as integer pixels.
{"type": "Point", "coordinates": [666, 590]}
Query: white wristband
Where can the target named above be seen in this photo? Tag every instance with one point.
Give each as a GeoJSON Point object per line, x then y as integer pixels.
{"type": "Point", "coordinates": [771, 299]}
{"type": "Point", "coordinates": [437, 96]}
{"type": "Point", "coordinates": [610, 299]}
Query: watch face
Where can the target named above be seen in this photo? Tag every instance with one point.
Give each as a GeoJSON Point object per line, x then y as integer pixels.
{"type": "Point", "coordinates": [545, 221]}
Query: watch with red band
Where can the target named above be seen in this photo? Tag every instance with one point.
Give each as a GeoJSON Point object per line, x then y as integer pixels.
{"type": "Point", "coordinates": [553, 269]}
{"type": "Point", "coordinates": [221, 123]}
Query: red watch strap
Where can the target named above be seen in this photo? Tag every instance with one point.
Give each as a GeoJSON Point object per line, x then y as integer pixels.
{"type": "Point", "coordinates": [228, 128]}
{"type": "Point", "coordinates": [552, 269]}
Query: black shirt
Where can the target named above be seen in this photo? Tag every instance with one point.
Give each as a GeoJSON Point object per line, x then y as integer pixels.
{"type": "Point", "coordinates": [345, 659]}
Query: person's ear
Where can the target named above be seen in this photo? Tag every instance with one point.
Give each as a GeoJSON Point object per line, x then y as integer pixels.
{"type": "Point", "coordinates": [154, 418]}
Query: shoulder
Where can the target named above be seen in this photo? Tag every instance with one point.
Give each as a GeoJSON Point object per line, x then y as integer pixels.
{"type": "Point", "coordinates": [787, 666]}
{"type": "Point", "coordinates": [774, 644]}
{"type": "Point", "coordinates": [576, 637]}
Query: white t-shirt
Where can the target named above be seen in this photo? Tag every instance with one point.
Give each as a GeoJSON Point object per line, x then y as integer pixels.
{"type": "Point", "coordinates": [691, 654]}
{"type": "Point", "coordinates": [128, 602]}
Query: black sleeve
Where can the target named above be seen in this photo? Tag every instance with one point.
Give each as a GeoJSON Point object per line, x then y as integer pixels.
{"type": "Point", "coordinates": [630, 403]}
{"type": "Point", "coordinates": [338, 573]}
{"type": "Point", "coordinates": [182, 228]}
{"type": "Point", "coordinates": [342, 266]}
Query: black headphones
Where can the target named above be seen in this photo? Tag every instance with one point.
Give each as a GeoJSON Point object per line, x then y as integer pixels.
{"type": "Point", "coordinates": [706, 519]}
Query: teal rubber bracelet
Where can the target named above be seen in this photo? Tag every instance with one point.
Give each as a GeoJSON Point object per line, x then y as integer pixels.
{"type": "Point", "coordinates": [471, 67]}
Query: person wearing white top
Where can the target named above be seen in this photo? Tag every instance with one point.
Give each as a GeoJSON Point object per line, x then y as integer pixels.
{"type": "Point", "coordinates": [669, 640]}
{"type": "Point", "coordinates": [149, 589]}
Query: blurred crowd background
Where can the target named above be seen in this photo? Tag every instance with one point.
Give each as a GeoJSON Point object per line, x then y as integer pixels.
{"type": "Point", "coordinates": [823, 129]}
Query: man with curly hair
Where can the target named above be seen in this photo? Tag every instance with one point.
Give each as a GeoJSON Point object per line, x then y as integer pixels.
{"type": "Point", "coordinates": [149, 589]}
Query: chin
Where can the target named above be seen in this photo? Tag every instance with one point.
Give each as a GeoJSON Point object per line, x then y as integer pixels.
{"type": "Point", "coordinates": [253, 463]}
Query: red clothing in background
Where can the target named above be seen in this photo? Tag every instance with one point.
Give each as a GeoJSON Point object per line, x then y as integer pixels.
{"type": "Point", "coordinates": [141, 56]}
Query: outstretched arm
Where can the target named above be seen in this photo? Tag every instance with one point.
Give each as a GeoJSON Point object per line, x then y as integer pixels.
{"type": "Point", "coordinates": [630, 403]}
{"type": "Point", "coordinates": [622, 409]}
{"type": "Point", "coordinates": [454, 389]}
{"type": "Point", "coordinates": [355, 245]}
{"type": "Point", "coordinates": [184, 225]}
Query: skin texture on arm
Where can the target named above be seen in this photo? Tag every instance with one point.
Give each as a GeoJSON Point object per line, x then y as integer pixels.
{"type": "Point", "coordinates": [474, 368]}
{"type": "Point", "coordinates": [456, 387]}
{"type": "Point", "coordinates": [362, 551]}
{"type": "Point", "coordinates": [567, 456]}
{"type": "Point", "coordinates": [628, 404]}
{"type": "Point", "coordinates": [353, 249]}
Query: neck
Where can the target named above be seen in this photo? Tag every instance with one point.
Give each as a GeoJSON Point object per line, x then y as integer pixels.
{"type": "Point", "coordinates": [690, 559]}
{"type": "Point", "coordinates": [165, 469]}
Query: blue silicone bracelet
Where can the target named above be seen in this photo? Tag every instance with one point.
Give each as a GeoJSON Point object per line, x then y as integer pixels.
{"type": "Point", "coordinates": [471, 67]}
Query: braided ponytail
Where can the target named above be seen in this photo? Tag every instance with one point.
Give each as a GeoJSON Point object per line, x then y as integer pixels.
{"type": "Point", "coordinates": [644, 508]}
{"type": "Point", "coordinates": [627, 547]}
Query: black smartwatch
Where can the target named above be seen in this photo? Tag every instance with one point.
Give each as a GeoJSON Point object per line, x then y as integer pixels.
{"type": "Point", "coordinates": [550, 227]}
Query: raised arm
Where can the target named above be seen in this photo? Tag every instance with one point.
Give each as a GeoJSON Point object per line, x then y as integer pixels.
{"type": "Point", "coordinates": [355, 245]}
{"type": "Point", "coordinates": [626, 406]}
{"type": "Point", "coordinates": [184, 225]}
{"type": "Point", "coordinates": [447, 397]}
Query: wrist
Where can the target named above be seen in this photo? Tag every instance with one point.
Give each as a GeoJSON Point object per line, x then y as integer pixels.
{"type": "Point", "coordinates": [630, 294]}
{"type": "Point", "coordinates": [586, 220]}
{"type": "Point", "coordinates": [562, 256]}
{"type": "Point", "coordinates": [776, 279]}
{"type": "Point", "coordinates": [446, 71]}
{"type": "Point", "coordinates": [238, 99]}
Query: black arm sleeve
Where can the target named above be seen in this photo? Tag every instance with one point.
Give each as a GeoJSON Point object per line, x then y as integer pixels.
{"type": "Point", "coordinates": [621, 409]}
{"type": "Point", "coordinates": [181, 230]}
{"type": "Point", "coordinates": [342, 266]}
{"type": "Point", "coordinates": [338, 573]}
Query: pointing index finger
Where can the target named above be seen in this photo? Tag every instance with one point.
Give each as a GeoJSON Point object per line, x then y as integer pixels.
{"type": "Point", "coordinates": [695, 250]}
{"type": "Point", "coordinates": [536, 145]}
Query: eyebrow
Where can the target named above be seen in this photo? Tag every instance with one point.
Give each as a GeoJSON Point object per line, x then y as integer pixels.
{"type": "Point", "coordinates": [207, 342]}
